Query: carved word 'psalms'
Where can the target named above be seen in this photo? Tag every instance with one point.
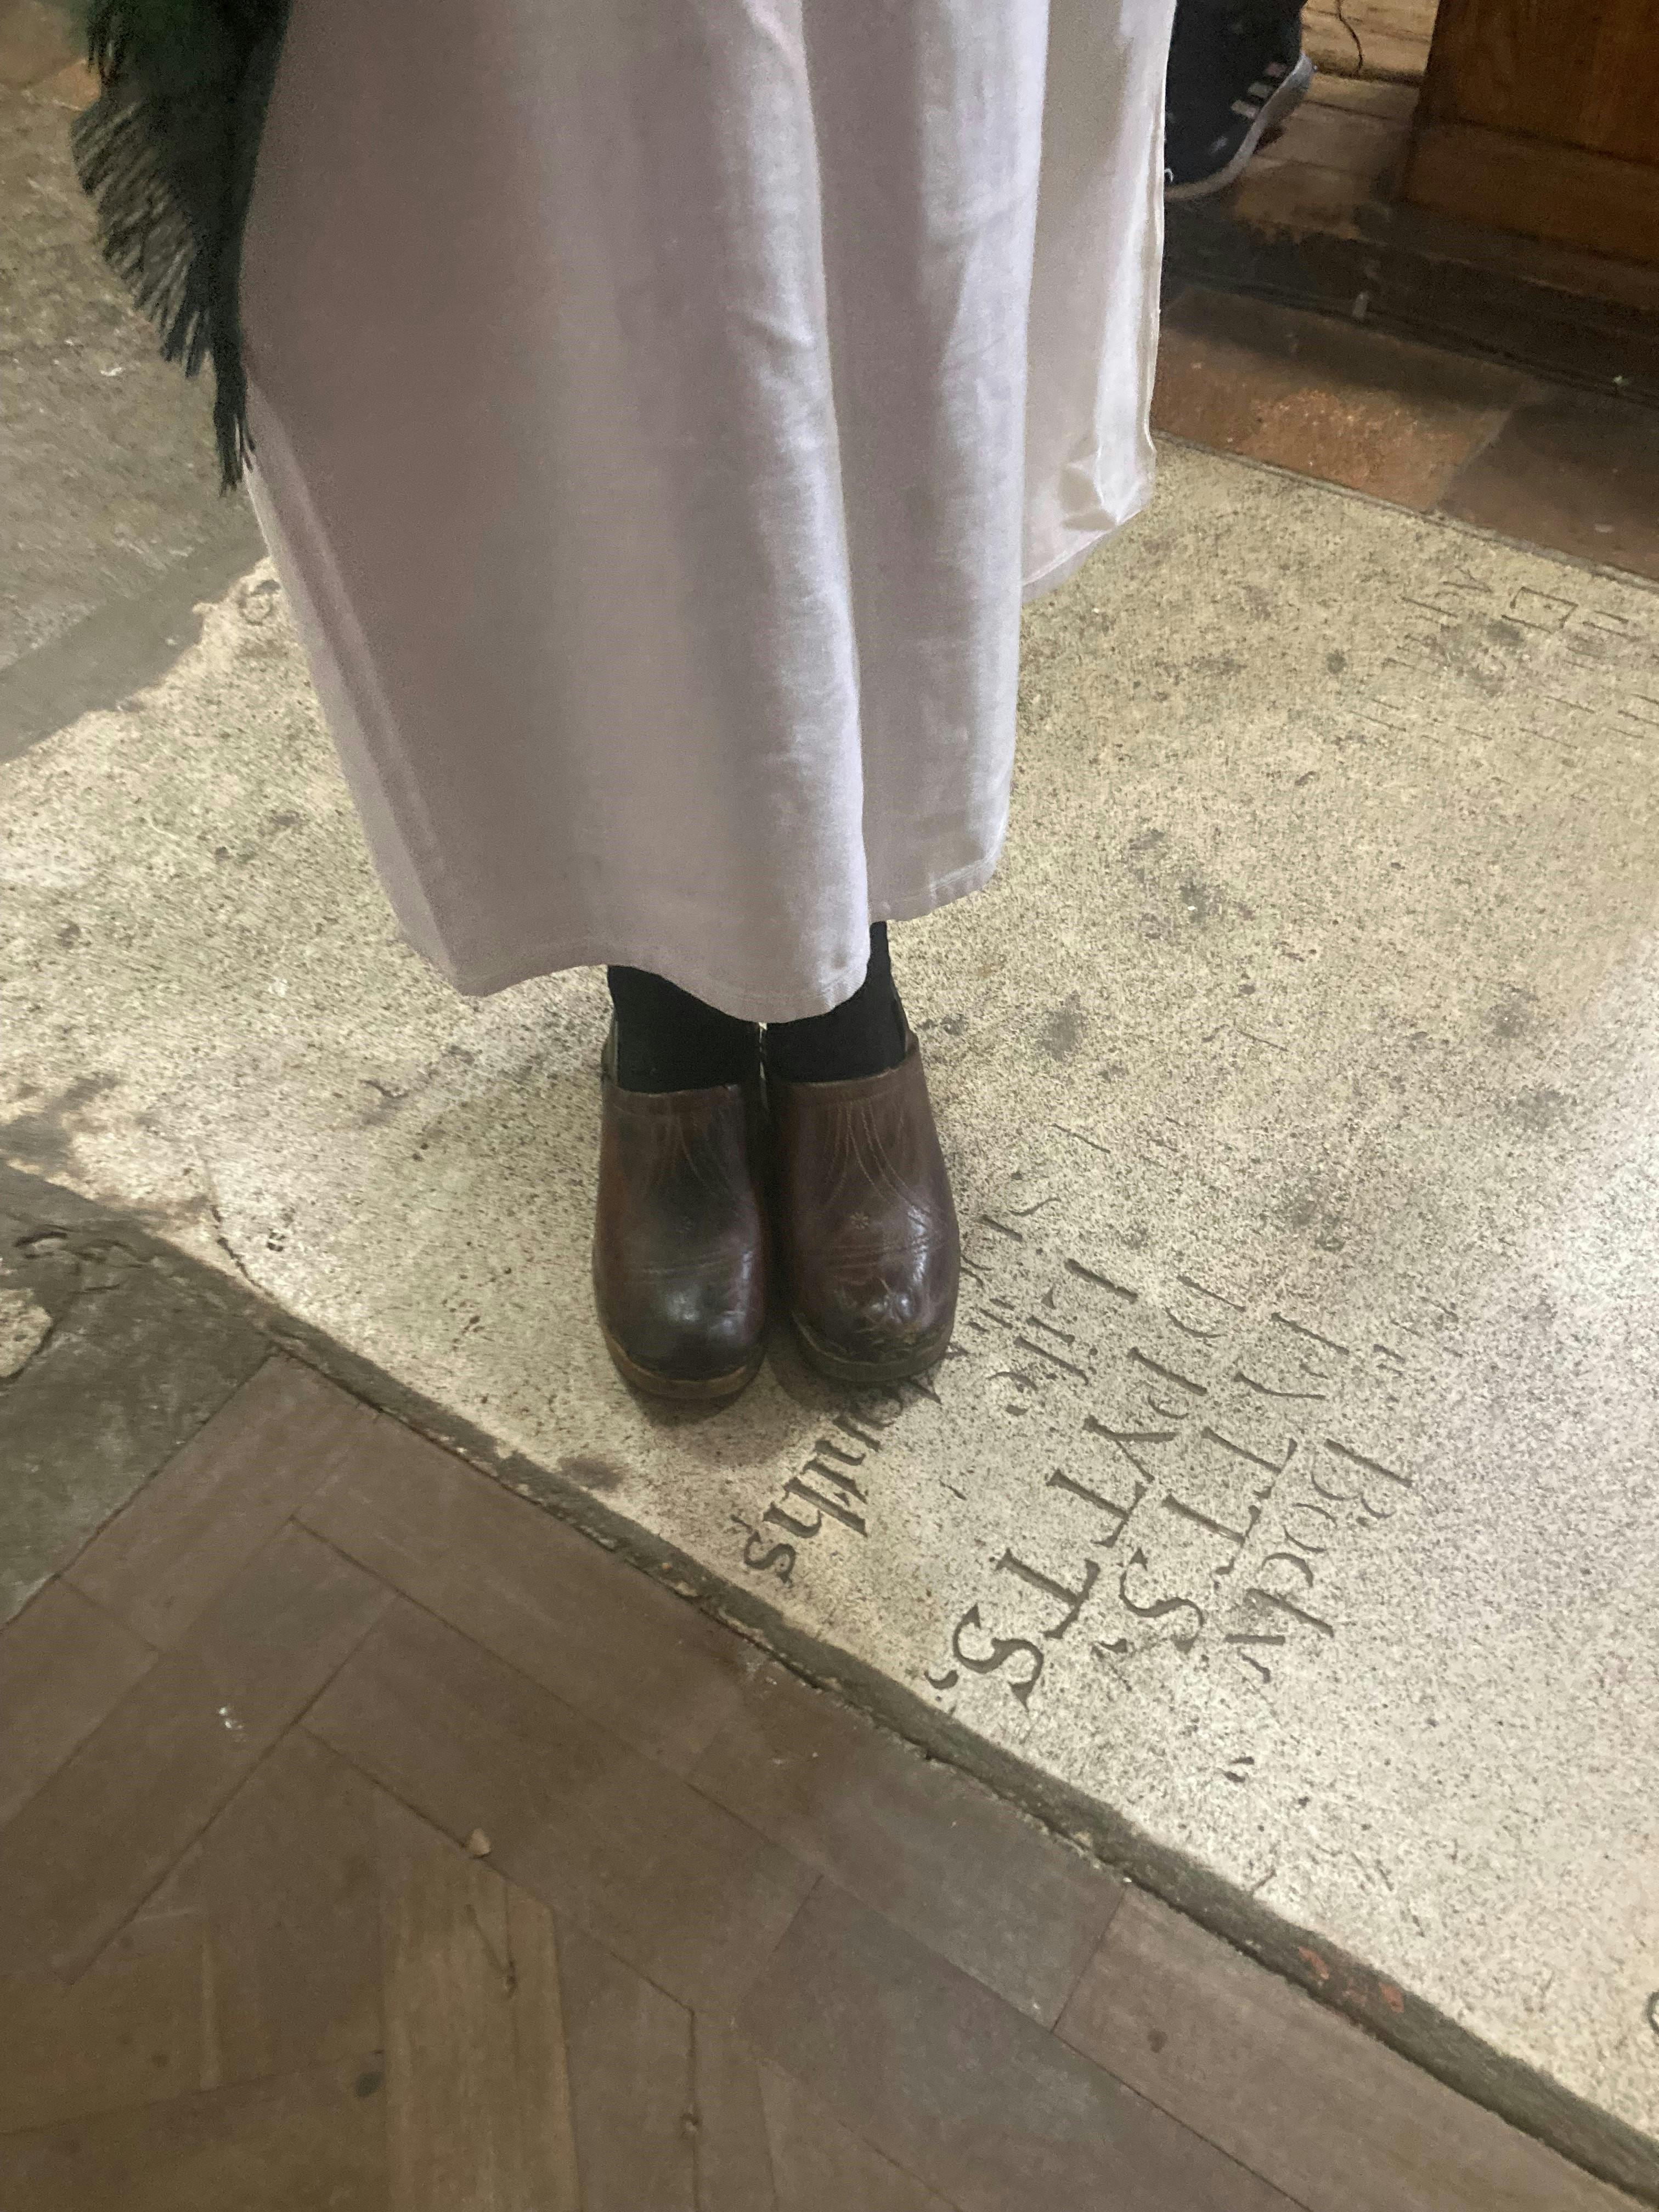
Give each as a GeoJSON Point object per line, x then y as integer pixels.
{"type": "Point", "coordinates": [832, 1492]}
{"type": "Point", "coordinates": [1215, 1464]}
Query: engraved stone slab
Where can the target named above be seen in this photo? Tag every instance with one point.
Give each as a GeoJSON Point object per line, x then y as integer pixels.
{"type": "Point", "coordinates": [1289, 1489]}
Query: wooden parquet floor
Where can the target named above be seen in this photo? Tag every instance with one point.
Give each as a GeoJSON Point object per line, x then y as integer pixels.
{"type": "Point", "coordinates": [370, 1839]}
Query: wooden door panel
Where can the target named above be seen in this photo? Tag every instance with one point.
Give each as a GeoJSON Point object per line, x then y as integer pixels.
{"type": "Point", "coordinates": [1543, 117]}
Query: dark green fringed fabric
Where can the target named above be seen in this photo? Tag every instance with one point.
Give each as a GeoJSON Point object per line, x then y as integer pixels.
{"type": "Point", "coordinates": [167, 154]}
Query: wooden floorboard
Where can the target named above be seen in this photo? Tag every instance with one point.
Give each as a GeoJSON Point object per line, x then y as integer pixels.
{"type": "Point", "coordinates": [286, 1881]}
{"type": "Point", "coordinates": [168, 1553]}
{"type": "Point", "coordinates": [963, 2093]}
{"type": "Point", "coordinates": [477, 2100]}
{"type": "Point", "coordinates": [817, 2163]}
{"type": "Point", "coordinates": [81, 1856]}
{"type": "Point", "coordinates": [574, 1617]}
{"type": "Point", "coordinates": [304, 2142]}
{"type": "Point", "coordinates": [674, 1883]}
{"type": "Point", "coordinates": [1005, 1902]}
{"type": "Point", "coordinates": [1313, 2103]}
{"type": "Point", "coordinates": [731, 2156]}
{"type": "Point", "coordinates": [630, 2083]}
{"type": "Point", "coordinates": [64, 1664]}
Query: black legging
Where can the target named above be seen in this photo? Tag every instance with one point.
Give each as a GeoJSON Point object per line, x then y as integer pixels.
{"type": "Point", "coordinates": [666, 1040]}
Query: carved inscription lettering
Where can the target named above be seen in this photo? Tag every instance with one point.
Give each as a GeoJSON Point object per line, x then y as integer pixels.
{"type": "Point", "coordinates": [1218, 1462]}
{"type": "Point", "coordinates": [827, 1494]}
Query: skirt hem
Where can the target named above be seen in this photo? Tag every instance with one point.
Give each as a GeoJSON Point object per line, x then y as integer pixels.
{"type": "Point", "coordinates": [1062, 571]}
{"type": "Point", "coordinates": [606, 949]}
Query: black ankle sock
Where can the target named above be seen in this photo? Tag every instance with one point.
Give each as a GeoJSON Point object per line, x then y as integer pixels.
{"type": "Point", "coordinates": [861, 1036]}
{"type": "Point", "coordinates": [666, 1040]}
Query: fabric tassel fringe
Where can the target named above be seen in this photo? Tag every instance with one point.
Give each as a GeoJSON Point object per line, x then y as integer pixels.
{"type": "Point", "coordinates": [167, 153]}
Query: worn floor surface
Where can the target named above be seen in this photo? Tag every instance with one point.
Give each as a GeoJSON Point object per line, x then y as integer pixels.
{"type": "Point", "coordinates": [369, 1839]}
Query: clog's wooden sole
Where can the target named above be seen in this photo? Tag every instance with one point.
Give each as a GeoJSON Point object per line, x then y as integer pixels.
{"type": "Point", "coordinates": [908, 1360]}
{"type": "Point", "coordinates": [703, 1390]}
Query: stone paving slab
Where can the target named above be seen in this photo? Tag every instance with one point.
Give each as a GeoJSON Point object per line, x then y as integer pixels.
{"type": "Point", "coordinates": [111, 1358]}
{"type": "Point", "coordinates": [1289, 1493]}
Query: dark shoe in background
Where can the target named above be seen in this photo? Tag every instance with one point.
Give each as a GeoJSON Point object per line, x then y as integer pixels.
{"type": "Point", "coordinates": [867, 1236]}
{"type": "Point", "coordinates": [680, 1238]}
{"type": "Point", "coordinates": [1236, 75]}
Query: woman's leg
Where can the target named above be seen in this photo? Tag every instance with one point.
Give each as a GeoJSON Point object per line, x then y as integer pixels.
{"type": "Point", "coordinates": [666, 1040]}
{"type": "Point", "coordinates": [863, 1036]}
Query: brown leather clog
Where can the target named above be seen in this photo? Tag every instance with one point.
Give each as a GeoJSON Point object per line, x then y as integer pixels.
{"type": "Point", "coordinates": [867, 1225]}
{"type": "Point", "coordinates": [680, 1237]}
